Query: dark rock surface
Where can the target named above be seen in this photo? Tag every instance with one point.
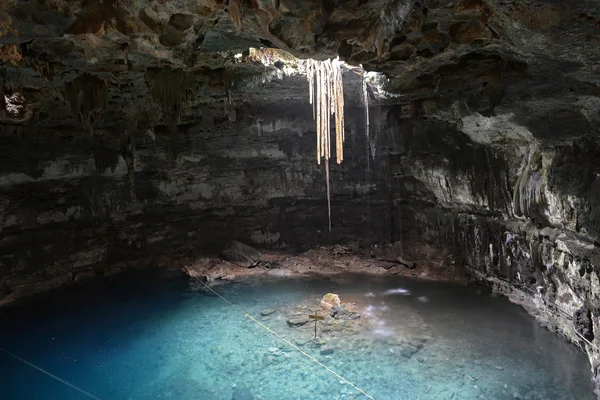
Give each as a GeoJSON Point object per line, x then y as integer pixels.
{"type": "Point", "coordinates": [584, 322]}
{"type": "Point", "coordinates": [241, 254]}
{"type": "Point", "coordinates": [140, 134]}
{"type": "Point", "coordinates": [297, 321]}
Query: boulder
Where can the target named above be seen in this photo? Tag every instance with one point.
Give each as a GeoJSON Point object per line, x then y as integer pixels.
{"type": "Point", "coordinates": [330, 300]}
{"type": "Point", "coordinates": [181, 21]}
{"type": "Point", "coordinates": [172, 36]}
{"type": "Point", "coordinates": [402, 52]}
{"type": "Point", "coordinates": [241, 254]}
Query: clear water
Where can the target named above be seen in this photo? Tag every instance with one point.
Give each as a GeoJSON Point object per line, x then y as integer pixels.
{"type": "Point", "coordinates": [137, 337]}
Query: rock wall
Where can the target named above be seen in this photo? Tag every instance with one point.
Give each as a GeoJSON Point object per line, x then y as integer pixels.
{"type": "Point", "coordinates": [521, 216]}
{"type": "Point", "coordinates": [76, 205]}
{"type": "Point", "coordinates": [517, 211]}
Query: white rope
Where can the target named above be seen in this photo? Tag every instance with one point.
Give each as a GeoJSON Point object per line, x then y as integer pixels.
{"type": "Point", "coordinates": [289, 343]}
{"type": "Point", "coordinates": [49, 374]}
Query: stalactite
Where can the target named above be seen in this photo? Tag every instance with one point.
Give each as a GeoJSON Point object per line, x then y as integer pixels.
{"type": "Point", "coordinates": [365, 99]}
{"type": "Point", "coordinates": [45, 69]}
{"type": "Point", "coordinates": [128, 154]}
{"type": "Point", "coordinates": [529, 189]}
{"type": "Point", "coordinates": [235, 10]}
{"type": "Point", "coordinates": [87, 96]}
{"type": "Point", "coordinates": [124, 47]}
{"type": "Point", "coordinates": [3, 110]}
{"type": "Point", "coordinates": [168, 89]}
{"type": "Point", "coordinates": [326, 95]}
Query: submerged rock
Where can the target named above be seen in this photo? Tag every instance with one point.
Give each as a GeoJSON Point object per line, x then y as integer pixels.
{"type": "Point", "coordinates": [298, 321]}
{"type": "Point", "coordinates": [343, 312]}
{"type": "Point", "coordinates": [326, 350]}
{"type": "Point", "coordinates": [267, 311]}
{"type": "Point", "coordinates": [300, 341]}
{"type": "Point", "coordinates": [408, 350]}
{"type": "Point", "coordinates": [242, 393]}
{"type": "Point", "coordinates": [241, 254]}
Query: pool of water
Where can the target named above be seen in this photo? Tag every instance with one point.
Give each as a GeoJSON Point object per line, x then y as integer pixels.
{"type": "Point", "coordinates": [140, 337]}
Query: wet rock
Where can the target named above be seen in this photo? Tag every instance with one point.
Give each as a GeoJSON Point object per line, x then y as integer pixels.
{"type": "Point", "coordinates": [241, 254]}
{"type": "Point", "coordinates": [326, 350]}
{"type": "Point", "coordinates": [343, 312]}
{"type": "Point", "coordinates": [582, 319]}
{"type": "Point", "coordinates": [297, 321]}
{"type": "Point", "coordinates": [267, 311]}
{"type": "Point", "coordinates": [330, 300]}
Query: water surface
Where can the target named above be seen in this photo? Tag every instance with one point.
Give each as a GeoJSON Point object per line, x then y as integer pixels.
{"type": "Point", "coordinates": [137, 337]}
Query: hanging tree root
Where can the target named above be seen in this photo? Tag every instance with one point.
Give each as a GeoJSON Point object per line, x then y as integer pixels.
{"type": "Point", "coordinates": [326, 92]}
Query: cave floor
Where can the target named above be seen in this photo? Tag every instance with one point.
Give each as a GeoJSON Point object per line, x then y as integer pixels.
{"type": "Point", "coordinates": [137, 336]}
{"type": "Point", "coordinates": [328, 261]}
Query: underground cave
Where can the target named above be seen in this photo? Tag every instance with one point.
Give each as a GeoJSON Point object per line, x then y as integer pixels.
{"type": "Point", "coordinates": [285, 199]}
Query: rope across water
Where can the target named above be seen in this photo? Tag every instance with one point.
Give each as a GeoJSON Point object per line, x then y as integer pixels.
{"type": "Point", "coordinates": [49, 374]}
{"type": "Point", "coordinates": [289, 343]}
{"type": "Point", "coordinates": [246, 315]}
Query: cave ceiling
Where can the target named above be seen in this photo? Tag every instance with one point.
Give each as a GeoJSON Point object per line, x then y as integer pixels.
{"type": "Point", "coordinates": [96, 64]}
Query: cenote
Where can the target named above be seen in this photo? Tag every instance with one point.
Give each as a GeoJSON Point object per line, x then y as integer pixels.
{"type": "Point", "coordinates": [418, 178]}
{"type": "Point", "coordinates": [138, 336]}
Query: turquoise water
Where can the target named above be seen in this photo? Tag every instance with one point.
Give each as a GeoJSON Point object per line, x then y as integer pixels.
{"type": "Point", "coordinates": [138, 337]}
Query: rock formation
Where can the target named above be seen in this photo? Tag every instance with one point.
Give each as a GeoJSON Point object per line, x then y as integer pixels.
{"type": "Point", "coordinates": [150, 133]}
